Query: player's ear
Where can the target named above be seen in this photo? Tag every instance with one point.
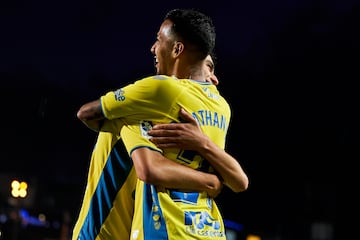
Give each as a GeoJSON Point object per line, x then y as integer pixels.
{"type": "Point", "coordinates": [178, 48]}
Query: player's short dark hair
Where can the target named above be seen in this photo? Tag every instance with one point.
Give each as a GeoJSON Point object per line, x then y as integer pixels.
{"type": "Point", "coordinates": [195, 28]}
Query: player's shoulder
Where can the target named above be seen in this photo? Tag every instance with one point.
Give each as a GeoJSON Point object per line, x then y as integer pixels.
{"type": "Point", "coordinates": [156, 80]}
{"type": "Point", "coordinates": [159, 82]}
{"type": "Point", "coordinates": [159, 77]}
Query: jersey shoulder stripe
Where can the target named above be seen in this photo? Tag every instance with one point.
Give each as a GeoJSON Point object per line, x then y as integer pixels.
{"type": "Point", "coordinates": [115, 172]}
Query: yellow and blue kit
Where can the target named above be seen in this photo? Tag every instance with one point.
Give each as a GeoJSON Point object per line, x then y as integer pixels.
{"type": "Point", "coordinates": [168, 213]}
{"type": "Point", "coordinates": [108, 203]}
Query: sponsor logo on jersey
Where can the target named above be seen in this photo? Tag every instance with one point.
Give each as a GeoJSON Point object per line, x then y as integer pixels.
{"type": "Point", "coordinates": [145, 127]}
{"type": "Point", "coordinates": [211, 94]}
{"type": "Point", "coordinates": [202, 224]}
{"type": "Point", "coordinates": [119, 95]}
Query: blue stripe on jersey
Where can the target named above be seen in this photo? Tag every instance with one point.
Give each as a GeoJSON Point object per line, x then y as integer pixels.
{"type": "Point", "coordinates": [115, 172]}
{"type": "Point", "coordinates": [184, 197]}
{"type": "Point", "coordinates": [154, 222]}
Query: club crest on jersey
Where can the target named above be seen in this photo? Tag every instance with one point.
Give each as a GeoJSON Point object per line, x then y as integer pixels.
{"type": "Point", "coordinates": [119, 95]}
{"type": "Point", "coordinates": [145, 127]}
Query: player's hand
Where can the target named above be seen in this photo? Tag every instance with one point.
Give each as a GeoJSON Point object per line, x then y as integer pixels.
{"type": "Point", "coordinates": [187, 136]}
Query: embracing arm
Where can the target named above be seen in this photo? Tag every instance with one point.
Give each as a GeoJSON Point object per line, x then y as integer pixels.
{"type": "Point", "coordinates": [152, 167]}
{"type": "Point", "coordinates": [190, 137]}
{"type": "Point", "coordinates": [91, 115]}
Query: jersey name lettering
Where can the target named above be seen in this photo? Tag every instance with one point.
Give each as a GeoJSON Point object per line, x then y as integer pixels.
{"type": "Point", "coordinates": [209, 118]}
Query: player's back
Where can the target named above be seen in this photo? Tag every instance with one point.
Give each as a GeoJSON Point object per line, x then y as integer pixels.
{"type": "Point", "coordinates": [108, 203]}
{"type": "Point", "coordinates": [201, 99]}
{"type": "Point", "coordinates": [212, 113]}
{"type": "Point", "coordinates": [171, 213]}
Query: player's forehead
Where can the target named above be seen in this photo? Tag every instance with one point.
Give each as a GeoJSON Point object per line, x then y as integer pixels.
{"type": "Point", "coordinates": [165, 30]}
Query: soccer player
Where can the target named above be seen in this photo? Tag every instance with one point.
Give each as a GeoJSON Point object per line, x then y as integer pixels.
{"type": "Point", "coordinates": [182, 45]}
{"type": "Point", "coordinates": [107, 207]}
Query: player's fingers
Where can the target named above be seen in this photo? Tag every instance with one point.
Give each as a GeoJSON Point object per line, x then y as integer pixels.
{"type": "Point", "coordinates": [166, 145]}
{"type": "Point", "coordinates": [163, 140]}
{"type": "Point", "coordinates": [163, 133]}
{"type": "Point", "coordinates": [187, 116]}
{"type": "Point", "coordinates": [166, 126]}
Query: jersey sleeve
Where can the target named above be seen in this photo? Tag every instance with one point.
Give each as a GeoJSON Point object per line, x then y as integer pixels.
{"type": "Point", "coordinates": [112, 126]}
{"type": "Point", "coordinates": [144, 98]}
{"type": "Point", "coordinates": [135, 136]}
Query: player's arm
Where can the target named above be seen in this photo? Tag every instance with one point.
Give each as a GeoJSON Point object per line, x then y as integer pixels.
{"type": "Point", "coordinates": [152, 167]}
{"type": "Point", "coordinates": [91, 115]}
{"type": "Point", "coordinates": [190, 137]}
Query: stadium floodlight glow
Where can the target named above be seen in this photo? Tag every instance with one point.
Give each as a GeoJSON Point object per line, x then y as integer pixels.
{"type": "Point", "coordinates": [18, 189]}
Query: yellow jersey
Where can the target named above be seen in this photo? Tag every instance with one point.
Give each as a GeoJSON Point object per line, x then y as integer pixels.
{"type": "Point", "coordinates": [108, 203]}
{"type": "Point", "coordinates": [168, 213]}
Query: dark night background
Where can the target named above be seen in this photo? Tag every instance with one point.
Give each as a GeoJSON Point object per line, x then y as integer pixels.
{"type": "Point", "coordinates": [289, 70]}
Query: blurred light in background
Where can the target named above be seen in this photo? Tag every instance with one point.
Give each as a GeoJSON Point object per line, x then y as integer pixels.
{"type": "Point", "coordinates": [18, 189]}
{"type": "Point", "coordinates": [253, 237]}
